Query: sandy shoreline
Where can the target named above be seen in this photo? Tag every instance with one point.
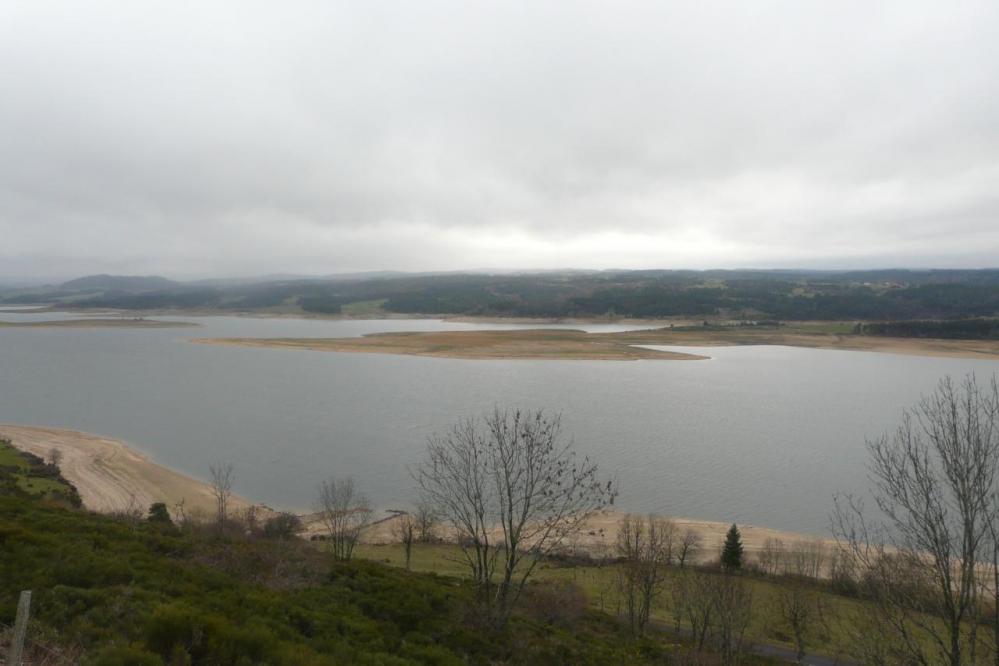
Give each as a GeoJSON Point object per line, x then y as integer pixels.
{"type": "Point", "coordinates": [110, 476]}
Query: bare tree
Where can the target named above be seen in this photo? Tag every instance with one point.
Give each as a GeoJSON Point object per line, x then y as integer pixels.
{"type": "Point", "coordinates": [645, 546]}
{"type": "Point", "coordinates": [426, 522]}
{"type": "Point", "coordinates": [688, 546]}
{"type": "Point", "coordinates": [510, 470]}
{"type": "Point", "coordinates": [806, 559]}
{"type": "Point", "coordinates": [678, 592]}
{"type": "Point", "coordinates": [732, 608]}
{"type": "Point", "coordinates": [221, 479]}
{"type": "Point", "coordinates": [55, 456]}
{"type": "Point", "coordinates": [800, 607]}
{"type": "Point", "coordinates": [129, 511]}
{"type": "Point", "coordinates": [405, 530]}
{"type": "Point", "coordinates": [345, 513]}
{"type": "Point", "coordinates": [699, 606]}
{"type": "Point", "coordinates": [933, 481]}
{"type": "Point", "coordinates": [771, 557]}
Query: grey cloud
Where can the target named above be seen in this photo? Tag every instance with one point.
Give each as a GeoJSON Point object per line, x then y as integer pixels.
{"type": "Point", "coordinates": [208, 138]}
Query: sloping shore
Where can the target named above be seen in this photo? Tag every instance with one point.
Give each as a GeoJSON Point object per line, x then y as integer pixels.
{"type": "Point", "coordinates": [110, 476]}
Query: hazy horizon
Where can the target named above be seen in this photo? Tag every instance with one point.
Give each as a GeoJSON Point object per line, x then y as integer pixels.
{"type": "Point", "coordinates": [20, 281]}
{"type": "Point", "coordinates": [247, 139]}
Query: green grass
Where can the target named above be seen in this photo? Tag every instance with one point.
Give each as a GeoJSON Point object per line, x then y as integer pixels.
{"type": "Point", "coordinates": [599, 583]}
{"type": "Point", "coordinates": [820, 328]}
{"type": "Point", "coordinates": [141, 593]}
{"type": "Point", "coordinates": [25, 475]}
{"type": "Point", "coordinates": [364, 308]}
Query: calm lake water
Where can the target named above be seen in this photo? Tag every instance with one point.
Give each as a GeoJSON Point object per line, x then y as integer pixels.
{"type": "Point", "coordinates": [762, 435]}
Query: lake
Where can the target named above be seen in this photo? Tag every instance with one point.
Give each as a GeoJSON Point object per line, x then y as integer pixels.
{"type": "Point", "coordinates": [762, 435]}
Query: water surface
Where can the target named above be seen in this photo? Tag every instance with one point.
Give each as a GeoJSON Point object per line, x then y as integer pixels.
{"type": "Point", "coordinates": [763, 435]}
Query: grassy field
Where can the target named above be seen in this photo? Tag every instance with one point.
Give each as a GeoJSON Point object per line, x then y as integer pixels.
{"type": "Point", "coordinates": [832, 633]}
{"type": "Point", "coordinates": [364, 308]}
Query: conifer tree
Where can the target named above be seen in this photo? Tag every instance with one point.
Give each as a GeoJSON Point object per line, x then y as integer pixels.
{"type": "Point", "coordinates": [731, 557]}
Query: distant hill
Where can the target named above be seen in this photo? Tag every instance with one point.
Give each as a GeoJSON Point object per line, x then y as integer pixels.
{"type": "Point", "coordinates": [889, 295]}
{"type": "Point", "coordinates": [129, 283]}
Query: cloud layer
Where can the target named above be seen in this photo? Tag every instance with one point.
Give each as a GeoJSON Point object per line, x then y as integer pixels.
{"type": "Point", "coordinates": [245, 138]}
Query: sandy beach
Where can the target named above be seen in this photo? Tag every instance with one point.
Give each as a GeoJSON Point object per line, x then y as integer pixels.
{"type": "Point", "coordinates": [110, 476]}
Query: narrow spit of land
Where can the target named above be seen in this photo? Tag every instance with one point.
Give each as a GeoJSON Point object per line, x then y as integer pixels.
{"type": "Point", "coordinates": [97, 323]}
{"type": "Point", "coordinates": [561, 344]}
{"type": "Point", "coordinates": [539, 344]}
{"type": "Point", "coordinates": [111, 476]}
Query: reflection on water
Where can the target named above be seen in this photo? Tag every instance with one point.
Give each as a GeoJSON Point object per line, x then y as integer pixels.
{"type": "Point", "coordinates": [762, 435]}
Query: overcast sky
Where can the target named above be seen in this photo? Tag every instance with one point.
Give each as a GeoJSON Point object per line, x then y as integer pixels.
{"type": "Point", "coordinates": [241, 138]}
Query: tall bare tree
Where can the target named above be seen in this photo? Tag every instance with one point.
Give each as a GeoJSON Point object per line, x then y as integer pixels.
{"type": "Point", "coordinates": [344, 512]}
{"type": "Point", "coordinates": [771, 557]}
{"type": "Point", "coordinates": [687, 547]}
{"type": "Point", "coordinates": [645, 546]}
{"type": "Point", "coordinates": [800, 607]}
{"type": "Point", "coordinates": [513, 490]}
{"type": "Point", "coordinates": [426, 522]}
{"type": "Point", "coordinates": [221, 479]}
{"type": "Point", "coordinates": [934, 480]}
{"type": "Point", "coordinates": [405, 529]}
{"type": "Point", "coordinates": [732, 608]}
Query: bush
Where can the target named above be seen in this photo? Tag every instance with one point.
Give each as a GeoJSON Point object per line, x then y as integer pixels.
{"type": "Point", "coordinates": [556, 602]}
{"type": "Point", "coordinates": [126, 656]}
{"type": "Point", "coordinates": [283, 526]}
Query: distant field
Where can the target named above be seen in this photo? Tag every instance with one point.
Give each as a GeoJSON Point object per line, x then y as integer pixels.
{"type": "Point", "coordinates": [371, 308]}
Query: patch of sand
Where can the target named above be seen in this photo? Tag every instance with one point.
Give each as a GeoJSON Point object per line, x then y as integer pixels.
{"type": "Point", "coordinates": [112, 477]}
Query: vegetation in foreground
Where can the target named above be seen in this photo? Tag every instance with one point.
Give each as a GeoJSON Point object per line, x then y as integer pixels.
{"type": "Point", "coordinates": [139, 590]}
{"type": "Point", "coordinates": [28, 476]}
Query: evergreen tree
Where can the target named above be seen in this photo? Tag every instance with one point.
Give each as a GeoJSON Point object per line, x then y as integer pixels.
{"type": "Point", "coordinates": [158, 513]}
{"type": "Point", "coordinates": [731, 557]}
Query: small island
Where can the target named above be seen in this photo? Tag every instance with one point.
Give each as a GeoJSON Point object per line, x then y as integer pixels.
{"type": "Point", "coordinates": [562, 344]}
